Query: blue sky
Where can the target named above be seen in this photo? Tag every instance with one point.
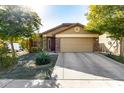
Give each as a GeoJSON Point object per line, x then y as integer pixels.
{"type": "Point", "coordinates": [53, 15]}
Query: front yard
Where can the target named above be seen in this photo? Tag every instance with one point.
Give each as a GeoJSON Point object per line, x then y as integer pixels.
{"type": "Point", "coordinates": [117, 58]}
{"type": "Point", "coordinates": [26, 68]}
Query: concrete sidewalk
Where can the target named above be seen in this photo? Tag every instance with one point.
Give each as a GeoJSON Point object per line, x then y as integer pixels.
{"type": "Point", "coordinates": [61, 84]}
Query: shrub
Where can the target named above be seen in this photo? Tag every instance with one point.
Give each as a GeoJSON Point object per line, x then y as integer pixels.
{"type": "Point", "coordinates": [3, 50]}
{"type": "Point", "coordinates": [43, 58]}
{"type": "Point", "coordinates": [5, 59]}
{"type": "Point", "coordinates": [35, 49]}
{"type": "Point", "coordinates": [117, 58]}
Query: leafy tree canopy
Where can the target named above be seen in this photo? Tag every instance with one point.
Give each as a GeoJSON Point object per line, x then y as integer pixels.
{"type": "Point", "coordinates": [106, 18]}
{"type": "Point", "coordinates": [16, 21]}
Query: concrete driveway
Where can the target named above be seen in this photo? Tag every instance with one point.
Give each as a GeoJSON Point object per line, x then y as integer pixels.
{"type": "Point", "coordinates": [88, 67]}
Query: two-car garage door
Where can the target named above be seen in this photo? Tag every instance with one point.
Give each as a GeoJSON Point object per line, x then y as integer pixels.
{"type": "Point", "coordinates": [76, 44]}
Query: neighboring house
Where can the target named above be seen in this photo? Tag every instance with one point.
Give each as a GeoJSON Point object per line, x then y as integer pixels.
{"type": "Point", "coordinates": [109, 45]}
{"type": "Point", "coordinates": [70, 37]}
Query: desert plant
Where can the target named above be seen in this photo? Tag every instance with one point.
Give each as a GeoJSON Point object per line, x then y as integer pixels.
{"type": "Point", "coordinates": [43, 58]}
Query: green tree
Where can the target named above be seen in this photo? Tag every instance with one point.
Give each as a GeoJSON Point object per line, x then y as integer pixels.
{"type": "Point", "coordinates": [107, 18]}
{"type": "Point", "coordinates": [17, 21]}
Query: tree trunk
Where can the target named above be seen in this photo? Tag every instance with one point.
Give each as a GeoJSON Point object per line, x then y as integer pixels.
{"type": "Point", "coordinates": [121, 47]}
{"type": "Point", "coordinates": [12, 47]}
{"type": "Point", "coordinates": [29, 45]}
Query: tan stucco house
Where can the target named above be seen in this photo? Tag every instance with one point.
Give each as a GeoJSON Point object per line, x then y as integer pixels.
{"type": "Point", "coordinates": [70, 37]}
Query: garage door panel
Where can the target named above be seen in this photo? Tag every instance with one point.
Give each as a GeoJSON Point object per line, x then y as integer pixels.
{"type": "Point", "coordinates": [76, 44]}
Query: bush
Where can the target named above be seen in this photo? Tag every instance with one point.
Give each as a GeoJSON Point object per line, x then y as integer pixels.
{"type": "Point", "coordinates": [43, 58]}
{"type": "Point", "coordinates": [5, 59]}
{"type": "Point", "coordinates": [35, 49]}
{"type": "Point", "coordinates": [117, 58]}
{"type": "Point", "coordinates": [3, 50]}
{"type": "Point", "coordinates": [7, 62]}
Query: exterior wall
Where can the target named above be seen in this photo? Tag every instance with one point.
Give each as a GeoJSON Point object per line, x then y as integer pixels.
{"type": "Point", "coordinates": [109, 45]}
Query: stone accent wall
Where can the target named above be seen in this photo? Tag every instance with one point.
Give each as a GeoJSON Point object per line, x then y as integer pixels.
{"type": "Point", "coordinates": [57, 45]}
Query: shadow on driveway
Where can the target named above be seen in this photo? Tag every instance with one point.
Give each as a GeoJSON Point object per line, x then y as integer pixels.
{"type": "Point", "coordinates": [90, 64]}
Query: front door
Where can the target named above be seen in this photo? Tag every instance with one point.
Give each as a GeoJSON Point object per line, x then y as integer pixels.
{"type": "Point", "coordinates": [51, 44]}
